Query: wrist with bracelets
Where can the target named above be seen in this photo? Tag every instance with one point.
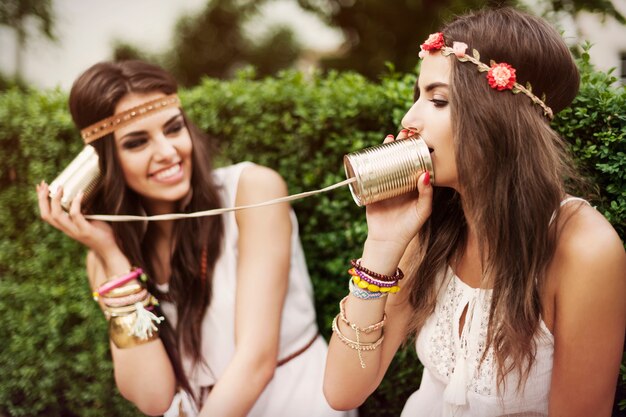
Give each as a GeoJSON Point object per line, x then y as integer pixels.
{"type": "Point", "coordinates": [365, 285]}
{"type": "Point", "coordinates": [128, 306]}
{"type": "Point", "coordinates": [372, 281]}
{"type": "Point", "coordinates": [356, 263]}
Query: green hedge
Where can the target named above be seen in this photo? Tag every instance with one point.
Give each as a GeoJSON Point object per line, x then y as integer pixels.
{"type": "Point", "coordinates": [54, 358]}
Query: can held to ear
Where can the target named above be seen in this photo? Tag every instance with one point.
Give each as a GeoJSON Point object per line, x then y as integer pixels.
{"type": "Point", "coordinates": [387, 170]}
{"type": "Point", "coordinates": [83, 173]}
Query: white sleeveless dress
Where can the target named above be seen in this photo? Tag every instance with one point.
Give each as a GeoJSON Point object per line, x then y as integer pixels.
{"type": "Point", "coordinates": [452, 383]}
{"type": "Point", "coordinates": [296, 388]}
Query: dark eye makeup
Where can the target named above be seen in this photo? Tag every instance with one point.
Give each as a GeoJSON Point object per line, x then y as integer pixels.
{"type": "Point", "coordinates": [133, 143]}
{"type": "Point", "coordinates": [439, 102]}
{"type": "Point", "coordinates": [135, 140]}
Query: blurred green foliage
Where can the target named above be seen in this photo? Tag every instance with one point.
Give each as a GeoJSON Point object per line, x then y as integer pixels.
{"type": "Point", "coordinates": [54, 356]}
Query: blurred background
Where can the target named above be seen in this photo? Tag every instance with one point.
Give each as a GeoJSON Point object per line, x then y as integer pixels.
{"type": "Point", "coordinates": [47, 43]}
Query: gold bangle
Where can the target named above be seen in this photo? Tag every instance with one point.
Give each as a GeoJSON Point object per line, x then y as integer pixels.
{"type": "Point", "coordinates": [366, 330]}
{"type": "Point", "coordinates": [121, 332]}
{"type": "Point", "coordinates": [124, 291]}
{"type": "Point", "coordinates": [356, 345]}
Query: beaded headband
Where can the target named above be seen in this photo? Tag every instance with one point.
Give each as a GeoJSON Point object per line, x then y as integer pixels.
{"type": "Point", "coordinates": [110, 124]}
{"type": "Point", "coordinates": [500, 76]}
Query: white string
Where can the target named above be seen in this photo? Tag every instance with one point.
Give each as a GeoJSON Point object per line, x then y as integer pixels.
{"type": "Point", "coordinates": [214, 212]}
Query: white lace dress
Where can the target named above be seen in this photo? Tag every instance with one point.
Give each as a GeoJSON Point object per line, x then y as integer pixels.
{"type": "Point", "coordinates": [453, 383]}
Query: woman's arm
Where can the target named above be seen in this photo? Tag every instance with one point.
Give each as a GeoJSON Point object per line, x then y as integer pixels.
{"type": "Point", "coordinates": [263, 271]}
{"type": "Point", "coordinates": [392, 226]}
{"type": "Point", "coordinates": [346, 384]}
{"type": "Point", "coordinates": [143, 374]}
{"type": "Point", "coordinates": [590, 316]}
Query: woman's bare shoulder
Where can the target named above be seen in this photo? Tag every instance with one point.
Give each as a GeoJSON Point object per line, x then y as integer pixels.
{"type": "Point", "coordinates": [258, 181]}
{"type": "Point", "coordinates": [589, 252]}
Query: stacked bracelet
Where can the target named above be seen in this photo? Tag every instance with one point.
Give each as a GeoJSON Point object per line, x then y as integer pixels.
{"type": "Point", "coordinates": [127, 305]}
{"type": "Point", "coordinates": [366, 330]}
{"type": "Point", "coordinates": [356, 263]}
{"type": "Point", "coordinates": [366, 285]}
{"type": "Point", "coordinates": [356, 345]}
{"type": "Point", "coordinates": [362, 294]}
{"type": "Point", "coordinates": [119, 281]}
{"type": "Point", "coordinates": [367, 282]}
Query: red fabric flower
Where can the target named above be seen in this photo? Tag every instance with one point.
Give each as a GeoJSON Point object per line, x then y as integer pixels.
{"type": "Point", "coordinates": [433, 43]}
{"type": "Point", "coordinates": [501, 76]}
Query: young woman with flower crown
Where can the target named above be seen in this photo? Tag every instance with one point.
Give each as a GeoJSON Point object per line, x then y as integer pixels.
{"type": "Point", "coordinates": [514, 289]}
{"type": "Point", "coordinates": [235, 333]}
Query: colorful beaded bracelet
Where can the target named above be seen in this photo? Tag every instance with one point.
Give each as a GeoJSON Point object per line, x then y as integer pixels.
{"type": "Point", "coordinates": [395, 277]}
{"type": "Point", "coordinates": [356, 273]}
{"type": "Point", "coordinates": [374, 288]}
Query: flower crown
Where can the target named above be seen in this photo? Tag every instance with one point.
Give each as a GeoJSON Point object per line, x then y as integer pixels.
{"type": "Point", "coordinates": [500, 76]}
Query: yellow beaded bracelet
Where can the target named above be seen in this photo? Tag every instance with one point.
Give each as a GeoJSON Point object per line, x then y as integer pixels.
{"type": "Point", "coordinates": [373, 287]}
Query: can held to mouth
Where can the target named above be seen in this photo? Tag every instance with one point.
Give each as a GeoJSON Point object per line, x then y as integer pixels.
{"type": "Point", "coordinates": [83, 173]}
{"type": "Point", "coordinates": [387, 170]}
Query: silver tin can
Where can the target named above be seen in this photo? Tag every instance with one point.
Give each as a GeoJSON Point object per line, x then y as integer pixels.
{"type": "Point", "coordinates": [83, 173]}
{"type": "Point", "coordinates": [387, 170]}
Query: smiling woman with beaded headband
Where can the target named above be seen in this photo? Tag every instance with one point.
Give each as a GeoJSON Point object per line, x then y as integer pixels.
{"type": "Point", "coordinates": [513, 288]}
{"type": "Point", "coordinates": [235, 333]}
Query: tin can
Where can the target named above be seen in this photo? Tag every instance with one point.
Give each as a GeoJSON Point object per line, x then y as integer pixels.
{"type": "Point", "coordinates": [387, 170]}
{"type": "Point", "coordinates": [83, 173]}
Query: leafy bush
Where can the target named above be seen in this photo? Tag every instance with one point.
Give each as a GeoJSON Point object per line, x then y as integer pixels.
{"type": "Point", "coordinates": [54, 359]}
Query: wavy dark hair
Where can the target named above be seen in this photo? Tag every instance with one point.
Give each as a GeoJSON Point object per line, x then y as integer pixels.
{"type": "Point", "coordinates": [93, 97]}
{"type": "Point", "coordinates": [513, 170]}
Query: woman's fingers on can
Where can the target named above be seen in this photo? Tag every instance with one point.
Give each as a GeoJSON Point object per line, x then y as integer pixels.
{"type": "Point", "coordinates": [403, 134]}
{"type": "Point", "coordinates": [424, 202]}
{"type": "Point", "coordinates": [61, 219]}
{"type": "Point", "coordinates": [389, 138]}
{"type": "Point", "coordinates": [55, 202]}
{"type": "Point", "coordinates": [77, 217]}
{"type": "Point", "coordinates": [46, 210]}
{"type": "Point", "coordinates": [42, 201]}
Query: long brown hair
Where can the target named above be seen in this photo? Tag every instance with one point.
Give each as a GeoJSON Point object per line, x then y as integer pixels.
{"type": "Point", "coordinates": [93, 97]}
{"type": "Point", "coordinates": [512, 170]}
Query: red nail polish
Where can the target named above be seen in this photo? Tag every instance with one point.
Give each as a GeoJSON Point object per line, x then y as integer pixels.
{"type": "Point", "coordinates": [427, 178]}
{"type": "Point", "coordinates": [389, 136]}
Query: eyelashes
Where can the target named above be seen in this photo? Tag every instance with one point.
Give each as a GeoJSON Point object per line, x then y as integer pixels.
{"type": "Point", "coordinates": [174, 127]}
{"type": "Point", "coordinates": [439, 103]}
{"type": "Point", "coordinates": [134, 143]}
